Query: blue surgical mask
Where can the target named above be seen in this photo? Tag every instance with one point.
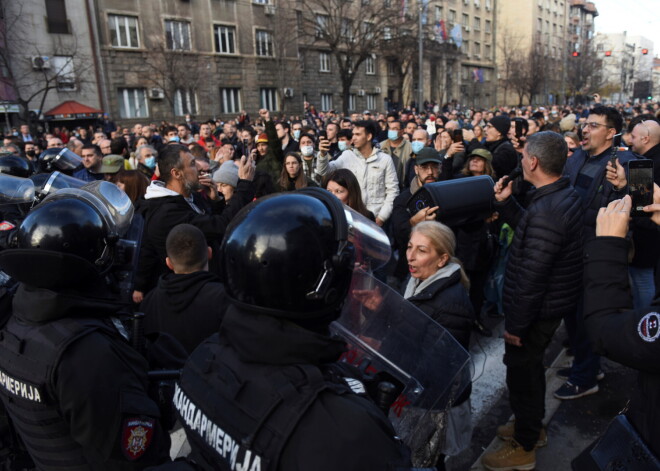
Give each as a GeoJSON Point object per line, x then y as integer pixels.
{"type": "Point", "coordinates": [175, 139]}
{"type": "Point", "coordinates": [342, 145]}
{"type": "Point", "coordinates": [392, 135]}
{"type": "Point", "coordinates": [417, 146]}
{"type": "Point", "coordinates": [296, 134]}
{"type": "Point", "coordinates": [150, 162]}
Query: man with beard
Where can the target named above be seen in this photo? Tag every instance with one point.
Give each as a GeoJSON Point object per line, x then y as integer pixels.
{"type": "Point", "coordinates": [427, 170]}
{"type": "Point", "coordinates": [174, 200]}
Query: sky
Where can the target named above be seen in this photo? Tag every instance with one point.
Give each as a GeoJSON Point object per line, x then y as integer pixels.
{"type": "Point", "coordinates": [637, 17]}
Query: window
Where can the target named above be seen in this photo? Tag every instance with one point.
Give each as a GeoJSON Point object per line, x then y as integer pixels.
{"type": "Point", "coordinates": [351, 102]}
{"type": "Point", "coordinates": [347, 62]}
{"type": "Point", "coordinates": [489, 51]}
{"type": "Point", "coordinates": [371, 101]}
{"type": "Point", "coordinates": [301, 60]}
{"type": "Point", "coordinates": [324, 62]}
{"type": "Point", "coordinates": [368, 30]}
{"type": "Point", "coordinates": [477, 49]}
{"type": "Point", "coordinates": [370, 65]}
{"type": "Point", "coordinates": [123, 31]}
{"type": "Point", "coordinates": [185, 102]}
{"type": "Point", "coordinates": [64, 73]}
{"type": "Point", "coordinates": [230, 100]}
{"type": "Point", "coordinates": [225, 39]}
{"type": "Point", "coordinates": [56, 18]}
{"type": "Point", "coordinates": [391, 68]}
{"type": "Point", "coordinates": [465, 47]}
{"type": "Point", "coordinates": [539, 24]}
{"type": "Point", "coordinates": [466, 20]}
{"type": "Point", "coordinates": [477, 23]}
{"type": "Point", "coordinates": [347, 29]}
{"type": "Point", "coordinates": [387, 33]}
{"type": "Point", "coordinates": [261, 2]}
{"type": "Point", "coordinates": [264, 43]}
{"type": "Point", "coordinates": [177, 35]}
{"type": "Point", "coordinates": [488, 26]}
{"type": "Point", "coordinates": [269, 99]}
{"type": "Point", "coordinates": [326, 101]}
{"type": "Point", "coordinates": [133, 103]}
{"type": "Point", "coordinates": [438, 13]}
{"type": "Point", "coordinates": [321, 25]}
{"type": "Point", "coordinates": [452, 16]}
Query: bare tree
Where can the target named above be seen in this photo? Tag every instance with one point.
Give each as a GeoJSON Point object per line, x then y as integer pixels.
{"type": "Point", "coordinates": [285, 30]}
{"type": "Point", "coordinates": [351, 30]}
{"type": "Point", "coordinates": [512, 57]}
{"type": "Point", "coordinates": [177, 72]}
{"type": "Point", "coordinates": [584, 74]}
{"type": "Point", "coordinates": [31, 73]}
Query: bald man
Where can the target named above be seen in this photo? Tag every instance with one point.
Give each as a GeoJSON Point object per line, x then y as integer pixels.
{"type": "Point", "coordinates": [645, 141]}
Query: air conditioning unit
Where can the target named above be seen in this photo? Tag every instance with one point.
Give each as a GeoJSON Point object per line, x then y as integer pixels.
{"type": "Point", "coordinates": [377, 90]}
{"type": "Point", "coordinates": [156, 94]}
{"type": "Point", "coordinates": [269, 10]}
{"type": "Point", "coordinates": [40, 62]}
{"type": "Point", "coordinates": [360, 92]}
{"type": "Point", "coordinates": [288, 93]}
{"type": "Point", "coordinates": [477, 56]}
{"type": "Point", "coordinates": [467, 29]}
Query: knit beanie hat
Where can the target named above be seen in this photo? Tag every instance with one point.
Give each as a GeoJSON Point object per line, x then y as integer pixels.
{"type": "Point", "coordinates": [502, 124]}
{"type": "Point", "coordinates": [227, 173]}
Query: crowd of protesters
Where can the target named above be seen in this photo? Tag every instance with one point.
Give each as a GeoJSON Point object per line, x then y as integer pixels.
{"type": "Point", "coordinates": [202, 172]}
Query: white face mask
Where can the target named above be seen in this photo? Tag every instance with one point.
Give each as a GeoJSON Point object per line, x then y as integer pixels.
{"type": "Point", "coordinates": [342, 145]}
{"type": "Point", "coordinates": [307, 150]}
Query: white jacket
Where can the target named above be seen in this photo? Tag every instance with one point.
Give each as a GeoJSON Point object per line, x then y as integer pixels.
{"type": "Point", "coordinates": [375, 174]}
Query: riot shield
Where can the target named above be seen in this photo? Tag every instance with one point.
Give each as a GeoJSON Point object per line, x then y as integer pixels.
{"type": "Point", "coordinates": [47, 183]}
{"type": "Point", "coordinates": [388, 335]}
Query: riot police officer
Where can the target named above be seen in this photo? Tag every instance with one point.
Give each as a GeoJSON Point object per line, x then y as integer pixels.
{"type": "Point", "coordinates": [266, 392]}
{"type": "Point", "coordinates": [73, 387]}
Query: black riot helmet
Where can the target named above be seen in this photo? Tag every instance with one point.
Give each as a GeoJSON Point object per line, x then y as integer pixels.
{"type": "Point", "coordinates": [68, 240]}
{"type": "Point", "coordinates": [11, 164]}
{"type": "Point", "coordinates": [59, 158]}
{"type": "Point", "coordinates": [291, 255]}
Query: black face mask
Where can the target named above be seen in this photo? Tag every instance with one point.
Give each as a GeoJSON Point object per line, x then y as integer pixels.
{"type": "Point", "coordinates": [30, 153]}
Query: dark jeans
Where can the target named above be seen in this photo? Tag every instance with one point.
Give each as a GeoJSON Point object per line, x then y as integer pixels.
{"type": "Point", "coordinates": [586, 363]}
{"type": "Point", "coordinates": [525, 378]}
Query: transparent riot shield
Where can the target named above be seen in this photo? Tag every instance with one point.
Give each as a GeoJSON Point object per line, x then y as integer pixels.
{"type": "Point", "coordinates": [388, 335]}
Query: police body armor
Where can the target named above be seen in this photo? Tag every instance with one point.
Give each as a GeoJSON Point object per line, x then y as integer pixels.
{"type": "Point", "coordinates": [29, 356]}
{"type": "Point", "coordinates": [242, 417]}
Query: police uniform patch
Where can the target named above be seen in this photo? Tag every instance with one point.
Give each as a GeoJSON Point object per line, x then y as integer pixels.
{"type": "Point", "coordinates": [136, 436]}
{"type": "Point", "coordinates": [649, 327]}
{"type": "Point", "coordinates": [6, 226]}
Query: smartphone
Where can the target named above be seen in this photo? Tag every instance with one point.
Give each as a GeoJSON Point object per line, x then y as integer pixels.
{"type": "Point", "coordinates": [323, 135]}
{"type": "Point", "coordinates": [519, 128]}
{"type": "Point", "coordinates": [246, 148]}
{"type": "Point", "coordinates": [640, 186]}
{"type": "Point", "coordinates": [457, 135]}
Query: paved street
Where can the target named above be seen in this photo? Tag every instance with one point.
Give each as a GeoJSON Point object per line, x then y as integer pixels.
{"type": "Point", "coordinates": [572, 425]}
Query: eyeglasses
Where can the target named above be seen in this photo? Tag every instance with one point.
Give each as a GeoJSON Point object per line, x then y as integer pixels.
{"type": "Point", "coordinates": [593, 126]}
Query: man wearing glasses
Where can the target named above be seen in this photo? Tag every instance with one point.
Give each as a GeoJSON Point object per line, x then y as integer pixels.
{"type": "Point", "coordinates": [587, 171]}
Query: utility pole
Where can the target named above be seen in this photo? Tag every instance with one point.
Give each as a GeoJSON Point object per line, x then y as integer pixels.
{"type": "Point", "coordinates": [420, 79]}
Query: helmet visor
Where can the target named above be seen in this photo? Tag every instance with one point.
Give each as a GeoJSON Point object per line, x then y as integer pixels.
{"type": "Point", "coordinates": [61, 158]}
{"type": "Point", "coordinates": [15, 190]}
{"type": "Point", "coordinates": [113, 204]}
{"type": "Point", "coordinates": [372, 246]}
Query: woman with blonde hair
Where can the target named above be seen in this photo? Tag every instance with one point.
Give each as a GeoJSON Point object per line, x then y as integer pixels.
{"type": "Point", "coordinates": [439, 286]}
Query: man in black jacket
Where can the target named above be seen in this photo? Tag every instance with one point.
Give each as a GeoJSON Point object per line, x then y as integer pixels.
{"type": "Point", "coordinates": [175, 200]}
{"type": "Point", "coordinates": [505, 157]}
{"type": "Point", "coordinates": [626, 335]}
{"type": "Point", "coordinates": [189, 303]}
{"type": "Point", "coordinates": [542, 284]}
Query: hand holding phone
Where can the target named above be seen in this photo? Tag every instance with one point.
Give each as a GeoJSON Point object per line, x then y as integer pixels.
{"type": "Point", "coordinates": [640, 186]}
{"type": "Point", "coordinates": [457, 135]}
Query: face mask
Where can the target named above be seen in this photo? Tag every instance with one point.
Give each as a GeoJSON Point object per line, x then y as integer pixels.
{"type": "Point", "coordinates": [30, 153]}
{"type": "Point", "coordinates": [307, 150]}
{"type": "Point", "coordinates": [174, 139]}
{"type": "Point", "coordinates": [15, 133]}
{"type": "Point", "coordinates": [150, 162]}
{"type": "Point", "coordinates": [342, 145]}
{"type": "Point", "coordinates": [296, 134]}
{"type": "Point", "coordinates": [417, 146]}
{"type": "Point", "coordinates": [392, 135]}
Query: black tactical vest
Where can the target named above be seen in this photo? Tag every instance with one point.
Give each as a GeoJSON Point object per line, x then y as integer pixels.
{"type": "Point", "coordinates": [29, 356]}
{"type": "Point", "coordinates": [239, 416]}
